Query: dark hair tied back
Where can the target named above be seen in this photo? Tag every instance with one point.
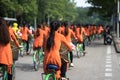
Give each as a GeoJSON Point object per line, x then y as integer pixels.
{"type": "Point", "coordinates": [54, 27]}
{"type": "Point", "coordinates": [0, 22]}
{"type": "Point", "coordinates": [4, 33]}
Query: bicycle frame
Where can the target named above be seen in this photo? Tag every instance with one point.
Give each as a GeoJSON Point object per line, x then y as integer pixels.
{"type": "Point", "coordinates": [13, 71]}
{"type": "Point", "coordinates": [99, 36]}
{"type": "Point", "coordinates": [86, 40]}
{"type": "Point", "coordinates": [79, 49]}
{"type": "Point", "coordinates": [37, 54]}
{"type": "Point", "coordinates": [23, 49]}
{"type": "Point", "coordinates": [51, 72]}
{"type": "Point", "coordinates": [3, 72]}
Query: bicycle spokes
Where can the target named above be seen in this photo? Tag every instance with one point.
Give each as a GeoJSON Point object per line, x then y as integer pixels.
{"type": "Point", "coordinates": [37, 58]}
{"type": "Point", "coordinates": [79, 49]}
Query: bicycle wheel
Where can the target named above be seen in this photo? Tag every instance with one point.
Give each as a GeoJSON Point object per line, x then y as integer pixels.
{"type": "Point", "coordinates": [86, 41]}
{"type": "Point", "coordinates": [22, 52]}
{"type": "Point", "coordinates": [78, 51]}
{"type": "Point", "coordinates": [81, 49]}
{"type": "Point", "coordinates": [36, 60]}
{"type": "Point", "coordinates": [23, 49]}
{"type": "Point", "coordinates": [41, 56]}
{"type": "Point", "coordinates": [13, 72]}
{"type": "Point", "coordinates": [3, 73]}
{"type": "Point", "coordinates": [50, 77]}
{"type": "Point", "coordinates": [99, 36]}
{"type": "Point", "coordinates": [69, 57]}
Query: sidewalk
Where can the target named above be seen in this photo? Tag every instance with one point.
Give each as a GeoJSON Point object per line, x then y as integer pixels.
{"type": "Point", "coordinates": [116, 43]}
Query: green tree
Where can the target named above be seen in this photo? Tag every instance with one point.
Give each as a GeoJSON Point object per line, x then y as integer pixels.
{"type": "Point", "coordinates": [6, 8]}
{"type": "Point", "coordinates": [105, 8]}
{"type": "Point", "coordinates": [26, 10]}
{"type": "Point", "coordinates": [42, 9]}
{"type": "Point", "coordinates": [57, 9]}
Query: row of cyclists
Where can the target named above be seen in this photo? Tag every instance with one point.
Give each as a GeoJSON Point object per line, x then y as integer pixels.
{"type": "Point", "coordinates": [56, 40]}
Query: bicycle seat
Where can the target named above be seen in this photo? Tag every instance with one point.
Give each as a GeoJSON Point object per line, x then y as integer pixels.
{"type": "Point", "coordinates": [52, 66]}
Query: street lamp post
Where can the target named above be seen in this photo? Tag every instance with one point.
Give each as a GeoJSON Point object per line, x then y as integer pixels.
{"type": "Point", "coordinates": [35, 22]}
{"type": "Point", "coordinates": [48, 21]}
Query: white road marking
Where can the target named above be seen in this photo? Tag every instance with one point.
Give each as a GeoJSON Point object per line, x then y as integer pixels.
{"type": "Point", "coordinates": [109, 50]}
{"type": "Point", "coordinates": [108, 59]}
{"type": "Point", "coordinates": [108, 79]}
{"type": "Point", "coordinates": [108, 69]}
{"type": "Point", "coordinates": [108, 66]}
{"type": "Point", "coordinates": [108, 56]}
{"type": "Point", "coordinates": [108, 62]}
{"type": "Point", "coordinates": [108, 74]}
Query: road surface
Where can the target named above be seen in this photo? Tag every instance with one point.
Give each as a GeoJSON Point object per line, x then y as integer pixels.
{"type": "Point", "coordinates": [100, 63]}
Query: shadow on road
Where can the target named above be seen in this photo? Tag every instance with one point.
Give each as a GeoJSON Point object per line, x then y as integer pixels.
{"type": "Point", "coordinates": [26, 67]}
{"type": "Point", "coordinates": [98, 44]}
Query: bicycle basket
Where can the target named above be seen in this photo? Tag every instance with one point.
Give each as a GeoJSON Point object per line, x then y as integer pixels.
{"type": "Point", "coordinates": [15, 51]}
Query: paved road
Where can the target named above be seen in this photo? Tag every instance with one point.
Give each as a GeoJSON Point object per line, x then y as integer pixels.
{"type": "Point", "coordinates": [100, 63]}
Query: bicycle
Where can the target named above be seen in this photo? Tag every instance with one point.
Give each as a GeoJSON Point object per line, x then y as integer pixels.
{"type": "Point", "coordinates": [37, 57]}
{"type": "Point", "coordinates": [30, 42]}
{"type": "Point", "coordinates": [3, 72]}
{"type": "Point", "coordinates": [15, 53]}
{"type": "Point", "coordinates": [93, 37]}
{"type": "Point", "coordinates": [13, 71]}
{"type": "Point", "coordinates": [23, 48]}
{"type": "Point", "coordinates": [79, 49]}
{"type": "Point", "coordinates": [51, 73]}
{"type": "Point", "coordinates": [99, 36]}
{"type": "Point", "coordinates": [86, 41]}
{"type": "Point", "coordinates": [30, 46]}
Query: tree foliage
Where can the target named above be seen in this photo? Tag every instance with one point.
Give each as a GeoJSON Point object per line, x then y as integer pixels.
{"type": "Point", "coordinates": [87, 19]}
{"type": "Point", "coordinates": [104, 8]}
{"type": "Point", "coordinates": [42, 9]}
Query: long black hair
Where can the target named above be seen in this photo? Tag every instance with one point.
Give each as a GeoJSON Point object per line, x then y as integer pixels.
{"type": "Point", "coordinates": [54, 25]}
{"type": "Point", "coordinates": [66, 28]}
{"type": "Point", "coordinates": [4, 32]}
{"type": "Point", "coordinates": [38, 31]}
{"type": "Point", "coordinates": [23, 24]}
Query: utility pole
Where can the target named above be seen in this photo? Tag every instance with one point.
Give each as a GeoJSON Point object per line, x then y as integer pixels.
{"type": "Point", "coordinates": [118, 18]}
{"type": "Point", "coordinates": [48, 21]}
{"type": "Point", "coordinates": [35, 23]}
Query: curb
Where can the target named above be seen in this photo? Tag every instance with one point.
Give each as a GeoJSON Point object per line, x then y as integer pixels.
{"type": "Point", "coordinates": [116, 44]}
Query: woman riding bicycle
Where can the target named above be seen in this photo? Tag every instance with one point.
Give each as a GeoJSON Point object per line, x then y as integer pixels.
{"type": "Point", "coordinates": [5, 48]}
{"type": "Point", "coordinates": [13, 35]}
{"type": "Point", "coordinates": [68, 33]}
{"type": "Point", "coordinates": [52, 46]}
{"type": "Point", "coordinates": [38, 37]}
{"type": "Point", "coordinates": [25, 31]}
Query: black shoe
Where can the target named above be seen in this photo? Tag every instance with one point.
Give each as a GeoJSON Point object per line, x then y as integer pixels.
{"type": "Point", "coordinates": [27, 53]}
{"type": "Point", "coordinates": [9, 76]}
{"type": "Point", "coordinates": [84, 53]}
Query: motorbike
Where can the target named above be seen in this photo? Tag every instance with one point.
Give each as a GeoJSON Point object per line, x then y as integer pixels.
{"type": "Point", "coordinates": [108, 39]}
